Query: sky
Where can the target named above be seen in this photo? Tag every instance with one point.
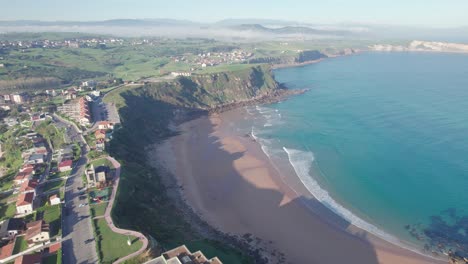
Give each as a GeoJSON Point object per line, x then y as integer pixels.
{"type": "Point", "coordinates": [429, 13]}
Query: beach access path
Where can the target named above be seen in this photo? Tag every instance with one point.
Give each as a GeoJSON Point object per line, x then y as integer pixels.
{"type": "Point", "coordinates": [108, 217]}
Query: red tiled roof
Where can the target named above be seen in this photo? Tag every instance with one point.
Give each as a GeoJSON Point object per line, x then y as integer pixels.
{"type": "Point", "coordinates": [100, 132]}
{"type": "Point", "coordinates": [41, 151]}
{"type": "Point", "coordinates": [7, 250]}
{"type": "Point", "coordinates": [35, 228]}
{"type": "Point", "coordinates": [23, 175]}
{"type": "Point", "coordinates": [66, 163]}
{"type": "Point", "coordinates": [25, 199]}
{"type": "Point", "coordinates": [29, 185]}
{"type": "Point", "coordinates": [27, 167]}
{"type": "Point", "coordinates": [55, 247]}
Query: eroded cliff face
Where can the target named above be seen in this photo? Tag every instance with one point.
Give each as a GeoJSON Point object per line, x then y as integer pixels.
{"type": "Point", "coordinates": [208, 91]}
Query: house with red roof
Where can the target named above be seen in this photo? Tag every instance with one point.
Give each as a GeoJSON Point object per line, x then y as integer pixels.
{"type": "Point", "coordinates": [23, 176]}
{"type": "Point", "coordinates": [100, 134]}
{"type": "Point", "coordinates": [37, 232]}
{"type": "Point", "coordinates": [24, 203]}
{"type": "Point", "coordinates": [65, 165]}
{"type": "Point", "coordinates": [7, 250]}
{"type": "Point", "coordinates": [105, 125]}
{"type": "Point", "coordinates": [29, 186]}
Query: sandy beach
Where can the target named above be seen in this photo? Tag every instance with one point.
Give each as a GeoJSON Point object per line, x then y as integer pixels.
{"type": "Point", "coordinates": [233, 185]}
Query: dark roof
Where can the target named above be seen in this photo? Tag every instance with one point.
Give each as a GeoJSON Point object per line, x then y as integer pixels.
{"type": "Point", "coordinates": [16, 224]}
{"type": "Point", "coordinates": [102, 169]}
{"type": "Point", "coordinates": [29, 259]}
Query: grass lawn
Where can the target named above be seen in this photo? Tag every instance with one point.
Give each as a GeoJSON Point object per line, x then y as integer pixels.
{"type": "Point", "coordinates": [50, 186]}
{"type": "Point", "coordinates": [20, 244]}
{"type": "Point", "coordinates": [56, 258]}
{"type": "Point", "coordinates": [98, 209]}
{"type": "Point", "coordinates": [102, 162]}
{"type": "Point", "coordinates": [7, 210]}
{"type": "Point", "coordinates": [52, 217]}
{"type": "Point", "coordinates": [112, 246]}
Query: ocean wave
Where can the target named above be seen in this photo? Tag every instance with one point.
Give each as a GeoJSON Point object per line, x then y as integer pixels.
{"type": "Point", "coordinates": [302, 161]}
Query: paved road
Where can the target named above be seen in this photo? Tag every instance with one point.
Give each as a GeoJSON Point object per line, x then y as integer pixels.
{"type": "Point", "coordinates": [78, 245]}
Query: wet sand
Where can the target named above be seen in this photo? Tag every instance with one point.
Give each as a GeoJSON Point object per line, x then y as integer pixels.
{"type": "Point", "coordinates": [233, 185]}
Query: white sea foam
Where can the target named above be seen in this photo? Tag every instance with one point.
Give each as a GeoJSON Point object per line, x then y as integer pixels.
{"type": "Point", "coordinates": [302, 161]}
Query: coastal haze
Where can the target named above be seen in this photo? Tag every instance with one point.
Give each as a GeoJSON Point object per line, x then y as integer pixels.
{"type": "Point", "coordinates": [233, 132]}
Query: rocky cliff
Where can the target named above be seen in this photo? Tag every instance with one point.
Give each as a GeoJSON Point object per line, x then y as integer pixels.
{"type": "Point", "coordinates": [208, 91]}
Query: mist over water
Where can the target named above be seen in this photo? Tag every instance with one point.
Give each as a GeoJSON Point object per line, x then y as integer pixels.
{"type": "Point", "coordinates": [382, 140]}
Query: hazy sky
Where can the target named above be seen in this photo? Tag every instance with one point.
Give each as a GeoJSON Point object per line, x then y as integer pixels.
{"type": "Point", "coordinates": [440, 13]}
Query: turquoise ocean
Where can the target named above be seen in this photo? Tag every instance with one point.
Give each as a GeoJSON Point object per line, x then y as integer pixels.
{"type": "Point", "coordinates": [382, 140]}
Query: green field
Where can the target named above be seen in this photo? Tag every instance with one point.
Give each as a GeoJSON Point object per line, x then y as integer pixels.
{"type": "Point", "coordinates": [112, 246]}
{"type": "Point", "coordinates": [98, 209]}
{"type": "Point", "coordinates": [102, 162]}
{"type": "Point", "coordinates": [27, 67]}
{"type": "Point", "coordinates": [52, 216]}
{"type": "Point", "coordinates": [7, 210]}
{"type": "Point", "coordinates": [55, 185]}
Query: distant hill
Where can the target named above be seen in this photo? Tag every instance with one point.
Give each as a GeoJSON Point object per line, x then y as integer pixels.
{"type": "Point", "coordinates": [289, 30]}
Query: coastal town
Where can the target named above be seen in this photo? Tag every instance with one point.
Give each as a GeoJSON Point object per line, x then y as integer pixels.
{"type": "Point", "coordinates": [59, 183]}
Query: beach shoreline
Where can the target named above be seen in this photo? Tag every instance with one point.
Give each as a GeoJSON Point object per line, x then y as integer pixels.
{"type": "Point", "coordinates": [227, 179]}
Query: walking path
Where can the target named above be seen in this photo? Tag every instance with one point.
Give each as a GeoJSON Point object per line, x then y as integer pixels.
{"type": "Point", "coordinates": [109, 221]}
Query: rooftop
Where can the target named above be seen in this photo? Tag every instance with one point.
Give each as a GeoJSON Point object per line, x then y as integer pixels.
{"type": "Point", "coordinates": [25, 199]}
{"type": "Point", "coordinates": [35, 228]}
{"type": "Point", "coordinates": [66, 163]}
{"type": "Point", "coordinates": [7, 250]}
{"type": "Point", "coordinates": [29, 259]}
{"type": "Point", "coordinates": [29, 185]}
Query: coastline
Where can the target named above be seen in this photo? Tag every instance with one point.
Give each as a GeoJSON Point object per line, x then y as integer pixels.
{"type": "Point", "coordinates": [241, 180]}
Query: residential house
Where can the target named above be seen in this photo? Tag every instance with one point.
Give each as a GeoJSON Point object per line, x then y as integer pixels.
{"type": "Point", "coordinates": [54, 200]}
{"type": "Point", "coordinates": [102, 173]}
{"type": "Point", "coordinates": [100, 134]}
{"type": "Point", "coordinates": [35, 258]}
{"type": "Point", "coordinates": [29, 186]}
{"type": "Point", "coordinates": [181, 255]}
{"type": "Point", "coordinates": [37, 232]}
{"type": "Point", "coordinates": [65, 165]}
{"type": "Point", "coordinates": [77, 110]}
{"type": "Point", "coordinates": [11, 227]}
{"type": "Point", "coordinates": [66, 153]}
{"type": "Point", "coordinates": [36, 158]}
{"type": "Point", "coordinates": [38, 117]}
{"type": "Point", "coordinates": [24, 203]}
{"type": "Point", "coordinates": [23, 176]}
{"type": "Point", "coordinates": [105, 125]}
{"type": "Point", "coordinates": [7, 250]}
{"type": "Point", "coordinates": [96, 177]}
{"type": "Point", "coordinates": [69, 94]}
{"type": "Point", "coordinates": [95, 93]}
{"type": "Point", "coordinates": [100, 144]}
{"type": "Point", "coordinates": [18, 98]}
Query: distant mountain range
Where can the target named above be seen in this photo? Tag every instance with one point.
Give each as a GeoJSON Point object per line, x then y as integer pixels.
{"type": "Point", "coordinates": [237, 29]}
